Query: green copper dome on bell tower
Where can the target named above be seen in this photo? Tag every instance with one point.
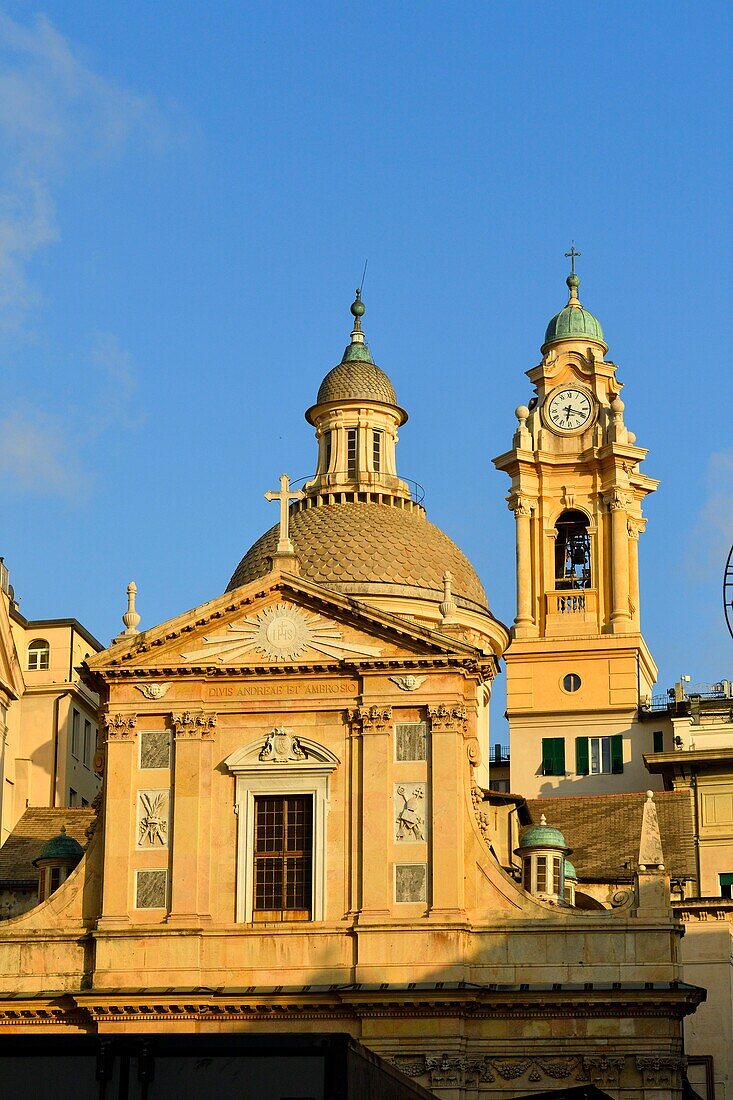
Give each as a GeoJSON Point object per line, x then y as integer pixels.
{"type": "Point", "coordinates": [574, 322]}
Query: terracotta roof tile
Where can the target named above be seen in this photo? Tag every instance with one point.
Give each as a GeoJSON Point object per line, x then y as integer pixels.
{"type": "Point", "coordinates": [604, 831]}
{"type": "Point", "coordinates": [36, 826]}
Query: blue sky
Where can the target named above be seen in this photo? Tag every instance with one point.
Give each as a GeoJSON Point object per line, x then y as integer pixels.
{"type": "Point", "coordinates": [188, 193]}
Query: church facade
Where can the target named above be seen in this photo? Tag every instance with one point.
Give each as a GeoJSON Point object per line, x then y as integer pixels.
{"type": "Point", "coordinates": [293, 834]}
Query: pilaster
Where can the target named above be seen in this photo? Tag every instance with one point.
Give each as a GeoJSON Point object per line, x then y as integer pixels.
{"type": "Point", "coordinates": [120, 740]}
{"type": "Point", "coordinates": [372, 726]}
{"type": "Point", "coordinates": [448, 726]}
{"type": "Point", "coordinates": [192, 832]}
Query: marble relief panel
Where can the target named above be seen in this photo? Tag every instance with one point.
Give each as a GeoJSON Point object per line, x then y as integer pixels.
{"type": "Point", "coordinates": [410, 812]}
{"type": "Point", "coordinates": [153, 812]}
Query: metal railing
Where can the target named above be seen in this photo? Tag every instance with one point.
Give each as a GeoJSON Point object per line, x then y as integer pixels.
{"type": "Point", "coordinates": [382, 482]}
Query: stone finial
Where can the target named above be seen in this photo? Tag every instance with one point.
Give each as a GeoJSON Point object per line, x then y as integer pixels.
{"type": "Point", "coordinates": [543, 819]}
{"type": "Point", "coordinates": [447, 604]}
{"type": "Point", "coordinates": [651, 856]}
{"type": "Point", "coordinates": [131, 617]}
{"type": "Point", "coordinates": [522, 436]}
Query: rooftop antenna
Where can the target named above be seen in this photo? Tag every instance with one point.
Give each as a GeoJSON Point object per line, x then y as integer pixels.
{"type": "Point", "coordinates": [363, 277]}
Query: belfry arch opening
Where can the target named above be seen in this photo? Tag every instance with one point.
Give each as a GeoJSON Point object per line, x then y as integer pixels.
{"type": "Point", "coordinates": [572, 551]}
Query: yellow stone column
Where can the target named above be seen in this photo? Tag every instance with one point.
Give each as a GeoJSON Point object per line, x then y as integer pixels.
{"type": "Point", "coordinates": [620, 615]}
{"type": "Point", "coordinates": [373, 730]}
{"type": "Point", "coordinates": [522, 508]}
{"type": "Point", "coordinates": [192, 839]}
{"type": "Point", "coordinates": [118, 812]}
{"type": "Point", "coordinates": [448, 724]}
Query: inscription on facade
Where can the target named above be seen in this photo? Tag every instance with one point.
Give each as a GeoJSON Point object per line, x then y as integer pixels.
{"type": "Point", "coordinates": [277, 688]}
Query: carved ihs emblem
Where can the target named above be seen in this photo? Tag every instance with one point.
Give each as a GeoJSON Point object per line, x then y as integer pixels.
{"type": "Point", "coordinates": [279, 633]}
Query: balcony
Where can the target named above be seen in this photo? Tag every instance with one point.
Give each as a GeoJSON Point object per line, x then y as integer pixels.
{"type": "Point", "coordinates": [571, 610]}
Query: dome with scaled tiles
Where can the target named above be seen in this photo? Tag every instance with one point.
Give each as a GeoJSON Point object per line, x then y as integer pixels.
{"type": "Point", "coordinates": [365, 548]}
{"type": "Point", "coordinates": [357, 377]}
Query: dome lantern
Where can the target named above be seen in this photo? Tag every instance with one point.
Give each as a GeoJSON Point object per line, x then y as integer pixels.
{"type": "Point", "coordinates": [356, 417]}
{"type": "Point", "coordinates": [543, 851]}
{"type": "Point", "coordinates": [57, 859]}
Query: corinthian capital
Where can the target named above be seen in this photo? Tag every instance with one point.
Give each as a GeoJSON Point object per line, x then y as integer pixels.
{"type": "Point", "coordinates": [521, 504]}
{"type": "Point", "coordinates": [445, 717]}
{"type": "Point", "coordinates": [193, 724]}
{"type": "Point", "coordinates": [118, 726]}
{"type": "Point", "coordinates": [615, 500]}
{"type": "Point", "coordinates": [370, 718]}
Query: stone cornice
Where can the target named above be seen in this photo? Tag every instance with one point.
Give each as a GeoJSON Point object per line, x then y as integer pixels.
{"type": "Point", "coordinates": [352, 1001]}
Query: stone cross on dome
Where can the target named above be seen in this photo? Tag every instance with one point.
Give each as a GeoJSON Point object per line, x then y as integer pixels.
{"type": "Point", "coordinates": [286, 494]}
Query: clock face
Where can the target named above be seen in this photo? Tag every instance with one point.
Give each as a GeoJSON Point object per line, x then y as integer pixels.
{"type": "Point", "coordinates": [569, 409]}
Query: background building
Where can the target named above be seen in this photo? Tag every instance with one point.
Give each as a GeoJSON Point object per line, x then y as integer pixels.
{"type": "Point", "coordinates": [48, 716]}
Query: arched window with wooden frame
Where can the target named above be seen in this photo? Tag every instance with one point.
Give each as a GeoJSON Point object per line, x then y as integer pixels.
{"type": "Point", "coordinates": [39, 653]}
{"type": "Point", "coordinates": [572, 551]}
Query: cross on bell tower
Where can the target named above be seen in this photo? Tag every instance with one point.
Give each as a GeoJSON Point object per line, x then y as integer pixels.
{"type": "Point", "coordinates": [572, 255]}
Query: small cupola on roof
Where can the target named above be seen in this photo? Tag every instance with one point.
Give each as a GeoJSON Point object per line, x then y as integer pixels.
{"type": "Point", "coordinates": [356, 417]}
{"type": "Point", "coordinates": [574, 322]}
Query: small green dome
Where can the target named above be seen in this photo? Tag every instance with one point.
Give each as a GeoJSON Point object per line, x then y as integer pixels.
{"type": "Point", "coordinates": [570, 872]}
{"type": "Point", "coordinates": [542, 836]}
{"type": "Point", "coordinates": [62, 846]}
{"type": "Point", "coordinates": [574, 322]}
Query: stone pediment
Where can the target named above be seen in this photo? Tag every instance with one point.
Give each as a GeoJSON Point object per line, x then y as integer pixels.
{"type": "Point", "coordinates": [287, 622]}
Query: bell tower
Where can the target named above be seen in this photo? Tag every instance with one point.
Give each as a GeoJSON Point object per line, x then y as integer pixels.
{"type": "Point", "coordinates": [578, 667]}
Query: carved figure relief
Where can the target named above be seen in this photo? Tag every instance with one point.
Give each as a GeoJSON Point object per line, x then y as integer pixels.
{"type": "Point", "coordinates": [410, 812]}
{"type": "Point", "coordinates": [409, 682]}
{"type": "Point", "coordinates": [282, 747]}
{"type": "Point", "coordinates": [281, 632]}
{"type": "Point", "coordinates": [153, 691]}
{"type": "Point", "coordinates": [152, 819]}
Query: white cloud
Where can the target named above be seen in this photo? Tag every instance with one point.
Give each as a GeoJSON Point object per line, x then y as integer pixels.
{"type": "Point", "coordinates": [55, 113]}
{"type": "Point", "coordinates": [35, 457]}
{"type": "Point", "coordinates": [117, 384]}
{"type": "Point", "coordinates": [712, 532]}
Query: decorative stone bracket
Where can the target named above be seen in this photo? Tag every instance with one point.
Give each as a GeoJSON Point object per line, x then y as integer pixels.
{"type": "Point", "coordinates": [660, 1070]}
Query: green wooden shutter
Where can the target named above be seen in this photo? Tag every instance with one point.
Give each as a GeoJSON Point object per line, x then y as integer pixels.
{"type": "Point", "coordinates": [553, 756]}
{"type": "Point", "coordinates": [617, 753]}
{"type": "Point", "coordinates": [581, 756]}
{"type": "Point", "coordinates": [659, 740]}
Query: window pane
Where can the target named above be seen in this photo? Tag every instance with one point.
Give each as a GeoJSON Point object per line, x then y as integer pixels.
{"type": "Point", "coordinates": [377, 451]}
{"type": "Point", "coordinates": [556, 871]}
{"type": "Point", "coordinates": [606, 754]}
{"type": "Point", "coordinates": [351, 452]}
{"type": "Point", "coordinates": [595, 763]}
{"type": "Point", "coordinates": [542, 873]}
{"type": "Point", "coordinates": [283, 857]}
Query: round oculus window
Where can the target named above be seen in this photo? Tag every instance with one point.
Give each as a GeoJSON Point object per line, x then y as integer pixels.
{"type": "Point", "coordinates": [571, 682]}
